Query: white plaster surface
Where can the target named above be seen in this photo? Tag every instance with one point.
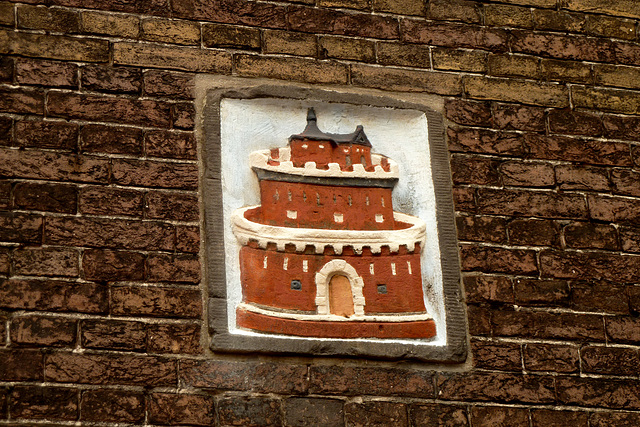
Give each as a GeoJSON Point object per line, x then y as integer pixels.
{"type": "Point", "coordinates": [248, 125]}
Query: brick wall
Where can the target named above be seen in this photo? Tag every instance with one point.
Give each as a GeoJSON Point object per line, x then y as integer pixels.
{"type": "Point", "coordinates": [101, 297]}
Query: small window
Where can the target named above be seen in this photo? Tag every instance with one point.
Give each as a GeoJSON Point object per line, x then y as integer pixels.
{"type": "Point", "coordinates": [296, 285]}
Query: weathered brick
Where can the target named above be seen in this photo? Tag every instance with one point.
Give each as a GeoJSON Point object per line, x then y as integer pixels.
{"type": "Point", "coordinates": [111, 79]}
{"type": "Point", "coordinates": [490, 386]}
{"type": "Point", "coordinates": [238, 411]}
{"type": "Point", "coordinates": [453, 35]}
{"type": "Point", "coordinates": [52, 166]}
{"type": "Point", "coordinates": [43, 331]}
{"type": "Point", "coordinates": [405, 80]}
{"type": "Point", "coordinates": [612, 419]}
{"type": "Point", "coordinates": [621, 127]}
{"type": "Point", "coordinates": [361, 50]}
{"type": "Point", "coordinates": [501, 356]}
{"type": "Point", "coordinates": [57, 135]}
{"type": "Point", "coordinates": [600, 99]}
{"type": "Point", "coordinates": [53, 47]}
{"type": "Point", "coordinates": [409, 55]}
{"type": "Point", "coordinates": [630, 239]}
{"type": "Point", "coordinates": [232, 12]}
{"type": "Point", "coordinates": [466, 112]}
{"type": "Point", "coordinates": [141, 112]}
{"type": "Point", "coordinates": [599, 296]}
{"type": "Point", "coordinates": [113, 335]}
{"type": "Point", "coordinates": [437, 414]}
{"type": "Point", "coordinates": [519, 117]}
{"type": "Point", "coordinates": [53, 295]}
{"type": "Point", "coordinates": [610, 75]}
{"type": "Point", "coordinates": [169, 84]}
{"type": "Point", "coordinates": [112, 406]}
{"type": "Point", "coordinates": [5, 265]}
{"type": "Point", "coordinates": [259, 377]}
{"type": "Point", "coordinates": [156, 301]}
{"type": "Point", "coordinates": [508, 65]}
{"type": "Point", "coordinates": [313, 412]}
{"type": "Point", "coordinates": [21, 100]}
{"type": "Point", "coordinates": [545, 325]}
{"type": "Point", "coordinates": [614, 209]}
{"type": "Point", "coordinates": [559, 20]}
{"type": "Point", "coordinates": [589, 265]}
{"type": "Point", "coordinates": [575, 123]}
{"type": "Point", "coordinates": [7, 14]}
{"type": "Point", "coordinates": [48, 18]}
{"type": "Point", "coordinates": [608, 393]}
{"type": "Point", "coordinates": [219, 35]}
{"type": "Point", "coordinates": [608, 26]}
{"type": "Point", "coordinates": [147, 371]}
{"type": "Point", "coordinates": [580, 177]}
{"type": "Point", "coordinates": [563, 46]}
{"type": "Point", "coordinates": [110, 139]}
{"type": "Point", "coordinates": [456, 10]}
{"type": "Point", "coordinates": [180, 145]}
{"type": "Point", "coordinates": [587, 235]}
{"type": "Point", "coordinates": [7, 69]}
{"type": "Point", "coordinates": [488, 289]}
{"type": "Point", "coordinates": [479, 319]}
{"type": "Point", "coordinates": [165, 408]}
{"type": "Point", "coordinates": [174, 338]}
{"type": "Point", "coordinates": [520, 174]}
{"type": "Point", "coordinates": [485, 141]}
{"type": "Point", "coordinates": [170, 31]}
{"type": "Point", "coordinates": [20, 228]}
{"type": "Point", "coordinates": [373, 413]}
{"type": "Point", "coordinates": [464, 199]}
{"type": "Point", "coordinates": [173, 268]}
{"type": "Point", "coordinates": [623, 329]}
{"type": "Point", "coordinates": [108, 265]}
{"type": "Point", "coordinates": [46, 73]}
{"type": "Point", "coordinates": [150, 173]}
{"type": "Point", "coordinates": [625, 182]}
{"type": "Point", "coordinates": [96, 200]}
{"type": "Point", "coordinates": [498, 260]}
{"type": "Point", "coordinates": [541, 292]}
{"type": "Point", "coordinates": [183, 115]}
{"type": "Point", "coordinates": [545, 204]}
{"type": "Point", "coordinates": [634, 298]}
{"type": "Point", "coordinates": [109, 233]}
{"type": "Point", "coordinates": [459, 60]}
{"type": "Point", "coordinates": [21, 365]}
{"type": "Point", "coordinates": [344, 380]}
{"type": "Point", "coordinates": [46, 197]}
{"type": "Point", "coordinates": [188, 238]}
{"type": "Point", "coordinates": [612, 7]}
{"type": "Point", "coordinates": [474, 170]}
{"type": "Point", "coordinates": [507, 16]}
{"type": "Point", "coordinates": [526, 92]}
{"type": "Point", "coordinates": [593, 151]}
{"type": "Point", "coordinates": [481, 228]}
{"type": "Point", "coordinates": [173, 57]}
{"type": "Point", "coordinates": [110, 24]}
{"type": "Point", "coordinates": [403, 7]}
{"type": "Point", "coordinates": [298, 69]}
{"type": "Point", "coordinates": [559, 418]}
{"type": "Point", "coordinates": [311, 20]}
{"type": "Point", "coordinates": [291, 43]}
{"type": "Point", "coordinates": [46, 262]}
{"type": "Point", "coordinates": [610, 360]}
{"type": "Point", "coordinates": [54, 403]}
{"type": "Point", "coordinates": [566, 71]}
{"type": "Point", "coordinates": [499, 415]}
{"type": "Point", "coordinates": [348, 4]}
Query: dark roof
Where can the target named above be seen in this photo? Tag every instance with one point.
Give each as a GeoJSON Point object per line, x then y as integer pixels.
{"type": "Point", "coordinates": [311, 132]}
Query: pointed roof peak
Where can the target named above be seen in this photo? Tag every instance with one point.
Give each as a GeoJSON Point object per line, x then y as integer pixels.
{"type": "Point", "coordinates": [312, 132]}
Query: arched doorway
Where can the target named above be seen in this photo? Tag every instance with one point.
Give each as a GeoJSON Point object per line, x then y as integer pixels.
{"type": "Point", "coordinates": [340, 296]}
{"type": "Point", "coordinates": [340, 282]}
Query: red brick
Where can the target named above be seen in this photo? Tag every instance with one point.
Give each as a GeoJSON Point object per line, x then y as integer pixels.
{"type": "Point", "coordinates": [474, 170]}
{"type": "Point", "coordinates": [387, 78]}
{"type": "Point", "coordinates": [232, 12]}
{"type": "Point", "coordinates": [453, 35]}
{"type": "Point", "coordinates": [559, 418]}
{"type": "Point", "coordinates": [169, 84]}
{"type": "Point", "coordinates": [104, 78]}
{"type": "Point", "coordinates": [499, 415]}
{"type": "Point", "coordinates": [614, 209]}
{"type": "Point", "coordinates": [239, 411]}
{"type": "Point", "coordinates": [113, 335]}
{"type": "Point", "coordinates": [501, 356]}
{"type": "Point", "coordinates": [464, 199]}
{"type": "Point", "coordinates": [623, 329]}
{"type": "Point", "coordinates": [108, 265]}
{"type": "Point", "coordinates": [46, 197]}
{"type": "Point", "coordinates": [621, 127]}
{"type": "Point", "coordinates": [582, 177]}
{"type": "Point", "coordinates": [520, 91]}
{"type": "Point", "coordinates": [344, 380]}
{"type": "Point", "coordinates": [591, 265]}
{"type": "Point", "coordinates": [575, 123]}
{"type": "Point", "coordinates": [625, 182]}
{"type": "Point", "coordinates": [541, 292]}
{"type": "Point", "coordinates": [21, 365]}
{"type": "Point", "coordinates": [610, 360]}
{"type": "Point", "coordinates": [21, 100]}
{"type": "Point", "coordinates": [110, 139]}
{"type": "Point", "coordinates": [592, 151]}
{"type": "Point", "coordinates": [53, 166]}
{"type": "Point", "coordinates": [479, 319]}
{"type": "Point", "coordinates": [313, 20]}
{"type": "Point", "coordinates": [173, 268]}
{"type": "Point", "coordinates": [48, 18]}
{"type": "Point", "coordinates": [516, 173]}
{"type": "Point", "coordinates": [54, 403]}
{"type": "Point", "coordinates": [20, 228]}
{"type": "Point", "coordinates": [534, 232]}
{"type": "Point", "coordinates": [43, 331]}
{"type": "Point", "coordinates": [53, 46]}
{"type": "Point", "coordinates": [608, 393]}
{"type": "Point", "coordinates": [519, 117]}
{"type": "Point", "coordinates": [112, 369]}
{"type": "Point", "coordinates": [110, 201]}
{"type": "Point", "coordinates": [141, 112]}
{"type": "Point", "coordinates": [485, 141]}
{"type": "Point", "coordinates": [177, 206]}
{"type": "Point", "coordinates": [630, 239]}
{"type": "Point", "coordinates": [46, 73]}
{"type": "Point", "coordinates": [545, 325]}
{"type": "Point", "coordinates": [179, 145]}
{"type": "Point", "coordinates": [218, 35]}
{"type": "Point", "coordinates": [46, 262]}
{"type": "Point", "coordinates": [466, 112]}
{"type": "Point", "coordinates": [551, 357]}
{"type": "Point", "coordinates": [588, 235]}
{"type": "Point", "coordinates": [109, 233]}
{"type": "Point", "coordinates": [174, 338]}
{"type": "Point", "coordinates": [498, 260]}
{"type": "Point", "coordinates": [53, 295]}
{"type": "Point", "coordinates": [563, 46]}
{"type": "Point", "coordinates": [190, 409]}
{"type": "Point", "coordinates": [613, 419]}
{"type": "Point", "coordinates": [156, 301]}
{"type": "Point", "coordinates": [112, 405]}
{"type": "Point", "coordinates": [313, 412]}
{"type": "Point", "coordinates": [258, 377]}
{"type": "Point", "coordinates": [183, 116]}
{"type": "Point", "coordinates": [606, 297]}
{"type": "Point", "coordinates": [188, 238]}
{"type": "Point", "coordinates": [545, 204]}
{"type": "Point", "coordinates": [481, 228]}
{"type": "Point", "coordinates": [149, 173]}
{"type": "Point", "coordinates": [59, 135]}
{"type": "Point", "coordinates": [488, 289]}
{"type": "Point", "coordinates": [437, 414]}
{"type": "Point", "coordinates": [492, 386]}
{"type": "Point", "coordinates": [376, 413]}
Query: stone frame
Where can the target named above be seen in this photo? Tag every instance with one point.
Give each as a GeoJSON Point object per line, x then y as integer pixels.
{"type": "Point", "coordinates": [211, 90]}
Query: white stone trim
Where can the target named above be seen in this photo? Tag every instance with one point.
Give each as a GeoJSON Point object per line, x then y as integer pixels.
{"type": "Point", "coordinates": [259, 159]}
{"type": "Point", "coordinates": [323, 277]}
{"type": "Point", "coordinates": [246, 230]}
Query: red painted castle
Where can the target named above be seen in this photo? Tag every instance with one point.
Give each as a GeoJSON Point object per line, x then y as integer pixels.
{"type": "Point", "coordinates": [324, 254]}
